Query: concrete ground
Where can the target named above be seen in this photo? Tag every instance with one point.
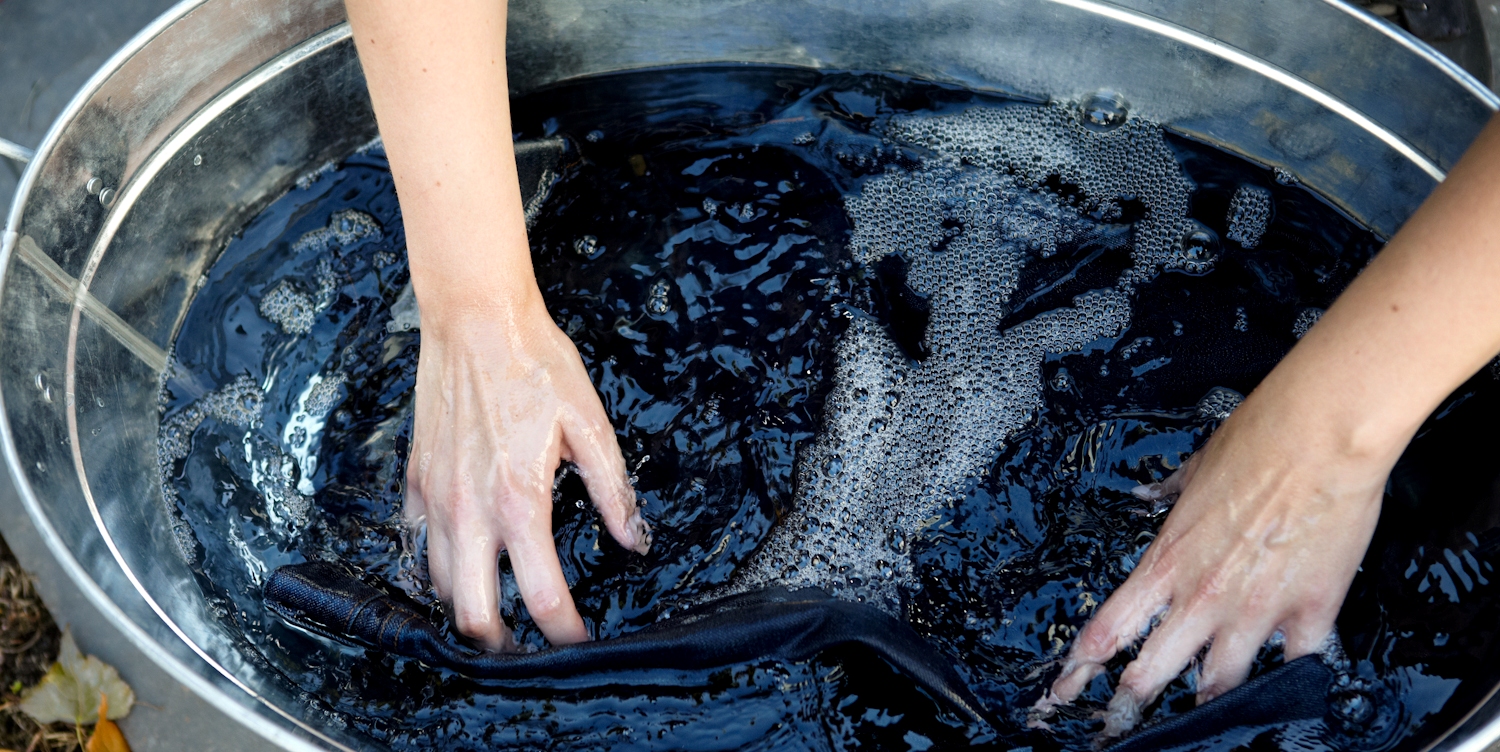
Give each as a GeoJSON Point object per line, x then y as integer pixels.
{"type": "Point", "coordinates": [48, 49]}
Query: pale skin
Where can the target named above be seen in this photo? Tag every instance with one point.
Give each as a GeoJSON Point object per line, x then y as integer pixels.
{"type": "Point", "coordinates": [1274, 514]}
{"type": "Point", "coordinates": [502, 395]}
{"type": "Point", "coordinates": [1272, 517]}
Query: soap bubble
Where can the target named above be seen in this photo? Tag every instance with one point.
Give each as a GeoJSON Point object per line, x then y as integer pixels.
{"type": "Point", "coordinates": [1105, 109]}
{"type": "Point", "coordinates": [658, 298]}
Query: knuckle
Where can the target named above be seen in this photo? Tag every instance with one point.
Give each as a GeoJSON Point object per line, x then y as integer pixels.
{"type": "Point", "coordinates": [1209, 591]}
{"type": "Point", "coordinates": [1137, 679]}
{"type": "Point", "coordinates": [1097, 643]}
{"type": "Point", "coordinates": [473, 622]}
{"type": "Point", "coordinates": [545, 604]}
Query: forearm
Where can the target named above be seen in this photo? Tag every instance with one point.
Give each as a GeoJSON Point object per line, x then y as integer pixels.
{"type": "Point", "coordinates": [436, 74]}
{"type": "Point", "coordinates": [1417, 323]}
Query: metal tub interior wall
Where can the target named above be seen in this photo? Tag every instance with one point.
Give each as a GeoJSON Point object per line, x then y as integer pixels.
{"type": "Point", "coordinates": [216, 109]}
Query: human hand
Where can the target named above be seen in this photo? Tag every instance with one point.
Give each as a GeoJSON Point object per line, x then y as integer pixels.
{"type": "Point", "coordinates": [1271, 522]}
{"type": "Point", "coordinates": [501, 397]}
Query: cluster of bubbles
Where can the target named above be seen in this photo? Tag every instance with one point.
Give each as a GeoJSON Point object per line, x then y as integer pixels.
{"type": "Point", "coordinates": [903, 439]}
{"type": "Point", "coordinates": [289, 308]}
{"type": "Point", "coordinates": [277, 478]}
{"type": "Point", "coordinates": [1249, 214]}
{"type": "Point", "coordinates": [323, 395]}
{"type": "Point", "coordinates": [1305, 320]}
{"type": "Point", "coordinates": [345, 229]}
{"type": "Point", "coordinates": [1218, 403]}
{"type": "Point", "coordinates": [533, 206]}
{"type": "Point", "coordinates": [237, 404]}
{"type": "Point", "coordinates": [1128, 163]}
{"type": "Point", "coordinates": [287, 304]}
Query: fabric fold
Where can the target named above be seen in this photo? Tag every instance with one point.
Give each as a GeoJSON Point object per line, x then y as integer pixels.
{"type": "Point", "coordinates": [793, 625]}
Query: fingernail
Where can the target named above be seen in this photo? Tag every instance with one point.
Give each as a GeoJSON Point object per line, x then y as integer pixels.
{"type": "Point", "coordinates": [642, 533]}
{"type": "Point", "coordinates": [1122, 715]}
{"type": "Point", "coordinates": [632, 533]}
{"type": "Point", "coordinates": [1147, 491]}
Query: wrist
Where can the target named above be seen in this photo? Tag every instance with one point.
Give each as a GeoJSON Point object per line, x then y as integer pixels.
{"type": "Point", "coordinates": [1346, 421]}
{"type": "Point", "coordinates": [452, 307]}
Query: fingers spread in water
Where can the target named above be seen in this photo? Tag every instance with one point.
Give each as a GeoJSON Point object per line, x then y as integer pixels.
{"type": "Point", "coordinates": [1118, 623]}
{"type": "Point", "coordinates": [591, 444]}
{"type": "Point", "coordinates": [1228, 662]}
{"type": "Point", "coordinates": [1169, 649]}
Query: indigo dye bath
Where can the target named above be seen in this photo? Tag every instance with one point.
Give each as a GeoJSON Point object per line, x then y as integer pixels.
{"type": "Point", "coordinates": [908, 343]}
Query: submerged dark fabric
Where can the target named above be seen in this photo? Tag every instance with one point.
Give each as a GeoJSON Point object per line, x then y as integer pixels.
{"type": "Point", "coordinates": [327, 599]}
{"type": "Point", "coordinates": [1294, 692]}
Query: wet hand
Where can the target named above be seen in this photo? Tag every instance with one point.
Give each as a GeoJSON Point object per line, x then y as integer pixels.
{"type": "Point", "coordinates": [1270, 524]}
{"type": "Point", "coordinates": [501, 398]}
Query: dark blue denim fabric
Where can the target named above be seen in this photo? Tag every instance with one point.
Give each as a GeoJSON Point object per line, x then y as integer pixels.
{"type": "Point", "coordinates": [1294, 692]}
{"type": "Point", "coordinates": [327, 599]}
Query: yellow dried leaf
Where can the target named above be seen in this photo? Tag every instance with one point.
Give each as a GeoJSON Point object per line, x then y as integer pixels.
{"type": "Point", "coordinates": [72, 688]}
{"type": "Point", "coordinates": [107, 736]}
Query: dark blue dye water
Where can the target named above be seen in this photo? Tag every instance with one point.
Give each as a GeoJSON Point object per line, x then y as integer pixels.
{"type": "Point", "coordinates": [708, 328]}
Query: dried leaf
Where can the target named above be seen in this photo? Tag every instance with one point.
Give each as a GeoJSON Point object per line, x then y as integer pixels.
{"type": "Point", "coordinates": [107, 736]}
{"type": "Point", "coordinates": [72, 687]}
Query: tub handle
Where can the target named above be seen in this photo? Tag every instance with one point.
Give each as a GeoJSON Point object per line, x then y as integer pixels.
{"type": "Point", "coordinates": [15, 152]}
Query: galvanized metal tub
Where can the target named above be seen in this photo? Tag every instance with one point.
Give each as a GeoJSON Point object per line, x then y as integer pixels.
{"type": "Point", "coordinates": [218, 107]}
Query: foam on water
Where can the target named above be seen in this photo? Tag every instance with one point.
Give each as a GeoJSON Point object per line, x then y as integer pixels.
{"type": "Point", "coordinates": [1219, 403]}
{"type": "Point", "coordinates": [902, 439]}
{"type": "Point", "coordinates": [1305, 320]}
{"type": "Point", "coordinates": [1249, 214]}
{"type": "Point", "coordinates": [289, 304]}
{"type": "Point", "coordinates": [238, 404]}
